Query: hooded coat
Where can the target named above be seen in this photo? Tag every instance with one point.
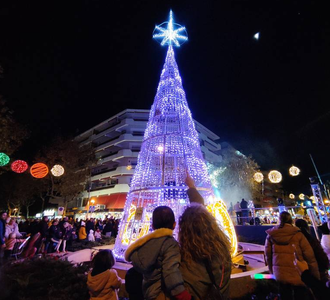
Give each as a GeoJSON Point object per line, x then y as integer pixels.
{"type": "Point", "coordinates": [279, 251]}
{"type": "Point", "coordinates": [103, 286]}
{"type": "Point", "coordinates": [157, 257]}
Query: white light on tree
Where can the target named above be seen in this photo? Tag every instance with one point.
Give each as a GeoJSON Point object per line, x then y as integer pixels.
{"type": "Point", "coordinates": [291, 196]}
{"type": "Point", "coordinates": [294, 171]}
{"type": "Point", "coordinates": [170, 33]}
{"type": "Point", "coordinates": [258, 177]}
{"type": "Point", "coordinates": [275, 176]}
{"type": "Point", "coordinates": [57, 170]}
{"type": "Point", "coordinates": [301, 196]}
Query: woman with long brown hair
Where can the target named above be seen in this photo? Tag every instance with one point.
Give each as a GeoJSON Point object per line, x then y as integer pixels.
{"type": "Point", "coordinates": [205, 249]}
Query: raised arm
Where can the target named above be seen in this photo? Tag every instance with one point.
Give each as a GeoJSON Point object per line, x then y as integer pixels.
{"type": "Point", "coordinates": [193, 194]}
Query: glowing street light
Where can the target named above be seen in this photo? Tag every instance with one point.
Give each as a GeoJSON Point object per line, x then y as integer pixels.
{"type": "Point", "coordinates": [93, 201]}
{"type": "Point", "coordinates": [275, 176]}
{"type": "Point", "coordinates": [294, 171]}
{"type": "Point", "coordinates": [258, 177]}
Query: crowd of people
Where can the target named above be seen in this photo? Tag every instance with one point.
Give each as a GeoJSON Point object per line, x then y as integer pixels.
{"type": "Point", "coordinates": [47, 236]}
{"type": "Point", "coordinates": [196, 266]}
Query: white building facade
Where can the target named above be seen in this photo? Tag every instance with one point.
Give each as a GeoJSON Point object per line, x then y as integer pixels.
{"type": "Point", "coordinates": [117, 142]}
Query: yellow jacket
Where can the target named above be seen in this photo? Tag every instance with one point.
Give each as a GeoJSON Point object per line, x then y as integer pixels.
{"type": "Point", "coordinates": [103, 286]}
{"type": "Point", "coordinates": [82, 233]}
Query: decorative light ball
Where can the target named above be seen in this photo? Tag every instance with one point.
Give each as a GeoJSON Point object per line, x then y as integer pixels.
{"type": "Point", "coordinates": [294, 171]}
{"type": "Point", "coordinates": [291, 196]}
{"type": "Point", "coordinates": [258, 177]}
{"type": "Point", "coordinates": [301, 196]}
{"type": "Point", "coordinates": [57, 170]}
{"type": "Point", "coordinates": [19, 166]}
{"type": "Point", "coordinates": [39, 170]}
{"type": "Point", "coordinates": [4, 159]}
{"type": "Point", "coordinates": [275, 176]}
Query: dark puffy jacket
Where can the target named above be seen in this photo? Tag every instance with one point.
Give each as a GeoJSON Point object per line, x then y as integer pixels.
{"type": "Point", "coordinates": [280, 254]}
{"type": "Point", "coordinates": [157, 257]}
{"type": "Point", "coordinates": [195, 276]}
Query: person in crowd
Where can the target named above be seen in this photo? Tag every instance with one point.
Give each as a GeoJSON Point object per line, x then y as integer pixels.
{"type": "Point", "coordinates": [12, 227]}
{"type": "Point", "coordinates": [99, 225]}
{"type": "Point", "coordinates": [205, 249]}
{"type": "Point", "coordinates": [89, 225]}
{"type": "Point", "coordinates": [325, 240]}
{"type": "Point", "coordinates": [82, 235]}
{"type": "Point", "coordinates": [115, 228]}
{"type": "Point", "coordinates": [237, 209]}
{"type": "Point", "coordinates": [31, 249]}
{"type": "Point", "coordinates": [320, 255]}
{"type": "Point", "coordinates": [61, 223]}
{"type": "Point", "coordinates": [107, 230]}
{"type": "Point", "coordinates": [157, 257]}
{"type": "Point", "coordinates": [91, 237]}
{"type": "Point", "coordinates": [98, 235]}
{"type": "Point", "coordinates": [320, 289]}
{"type": "Point", "coordinates": [42, 228]}
{"type": "Point", "coordinates": [133, 284]}
{"type": "Point", "coordinates": [10, 243]}
{"type": "Point", "coordinates": [281, 243]}
{"type": "Point", "coordinates": [3, 217]}
{"type": "Point", "coordinates": [25, 226]}
{"type": "Point", "coordinates": [245, 211]}
{"type": "Point", "coordinates": [66, 235]}
{"type": "Point", "coordinates": [103, 281]}
{"type": "Point", "coordinates": [55, 235]}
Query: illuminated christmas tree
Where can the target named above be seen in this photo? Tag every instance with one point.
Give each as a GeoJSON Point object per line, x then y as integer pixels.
{"type": "Point", "coordinates": [170, 148]}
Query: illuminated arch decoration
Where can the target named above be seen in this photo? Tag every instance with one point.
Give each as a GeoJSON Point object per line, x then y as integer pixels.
{"type": "Point", "coordinates": [294, 171]}
{"type": "Point", "coordinates": [4, 159]}
{"type": "Point", "coordinates": [275, 176]}
{"type": "Point", "coordinates": [219, 210]}
{"type": "Point", "coordinates": [57, 170]}
{"type": "Point", "coordinates": [39, 170]}
{"type": "Point", "coordinates": [258, 177]}
{"type": "Point", "coordinates": [169, 149]}
{"type": "Point", "coordinates": [19, 166]}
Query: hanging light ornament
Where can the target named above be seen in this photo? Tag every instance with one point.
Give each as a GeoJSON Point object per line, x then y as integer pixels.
{"type": "Point", "coordinates": [275, 176]}
{"type": "Point", "coordinates": [258, 177]}
{"type": "Point", "coordinates": [294, 171]}
{"type": "Point", "coordinates": [4, 159]}
{"type": "Point", "coordinates": [19, 166]}
{"type": "Point", "coordinates": [301, 196]}
{"type": "Point", "coordinates": [312, 198]}
{"type": "Point", "coordinates": [39, 170]}
{"type": "Point", "coordinates": [57, 170]}
{"type": "Point", "coordinates": [291, 196]}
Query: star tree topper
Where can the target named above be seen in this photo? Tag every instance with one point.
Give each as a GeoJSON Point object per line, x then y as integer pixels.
{"type": "Point", "coordinates": [170, 33]}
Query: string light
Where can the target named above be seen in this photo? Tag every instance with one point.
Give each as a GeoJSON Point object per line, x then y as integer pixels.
{"type": "Point", "coordinates": [258, 177]}
{"type": "Point", "coordinates": [57, 170]}
{"type": "Point", "coordinates": [19, 166]}
{"type": "Point", "coordinates": [4, 159]}
{"type": "Point", "coordinates": [294, 171]}
{"type": "Point", "coordinates": [275, 176]}
{"type": "Point", "coordinates": [169, 149]}
{"type": "Point", "coordinates": [39, 170]}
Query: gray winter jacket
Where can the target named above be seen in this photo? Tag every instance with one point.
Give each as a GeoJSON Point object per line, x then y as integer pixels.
{"type": "Point", "coordinates": [157, 257]}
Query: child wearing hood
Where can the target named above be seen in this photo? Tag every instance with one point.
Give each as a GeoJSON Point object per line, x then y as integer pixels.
{"type": "Point", "coordinates": [157, 257]}
{"type": "Point", "coordinates": [103, 281]}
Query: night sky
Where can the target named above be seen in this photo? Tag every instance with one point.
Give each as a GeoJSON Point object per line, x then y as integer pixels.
{"type": "Point", "coordinates": [69, 65]}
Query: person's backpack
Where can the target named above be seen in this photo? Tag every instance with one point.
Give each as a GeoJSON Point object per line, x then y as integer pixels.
{"type": "Point", "coordinates": [214, 292]}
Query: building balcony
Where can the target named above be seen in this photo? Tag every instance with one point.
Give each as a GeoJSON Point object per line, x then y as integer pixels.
{"type": "Point", "coordinates": [127, 137]}
{"type": "Point", "coordinates": [210, 156]}
{"type": "Point", "coordinates": [118, 155]}
{"type": "Point", "coordinates": [119, 171]}
{"type": "Point", "coordinates": [118, 188]}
